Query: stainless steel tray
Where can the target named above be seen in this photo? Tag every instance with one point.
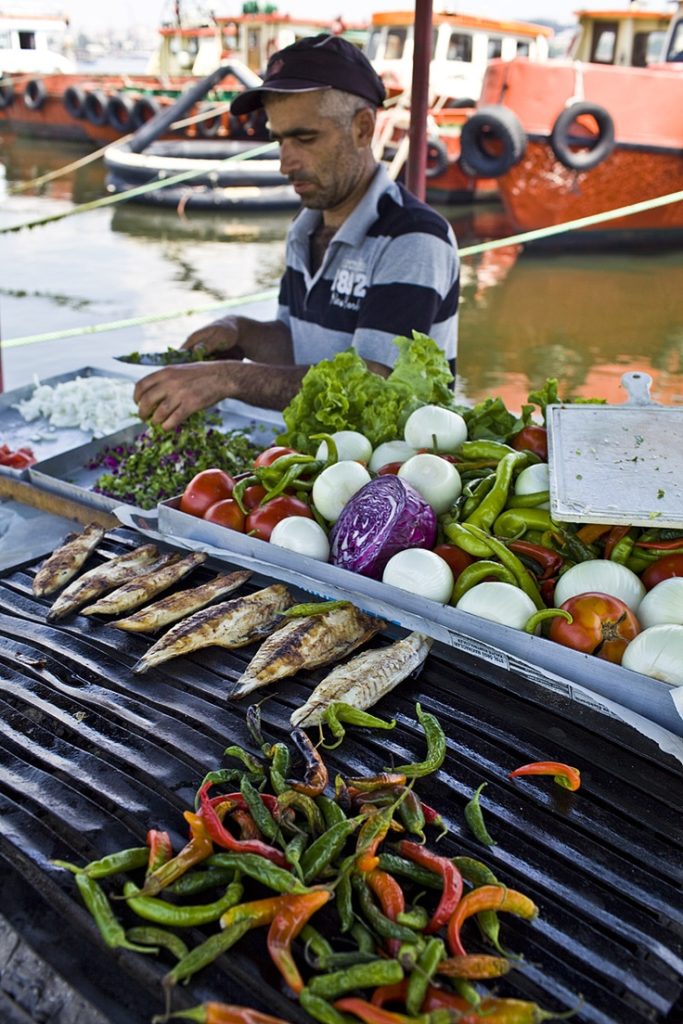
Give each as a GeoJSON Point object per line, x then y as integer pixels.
{"type": "Point", "coordinates": [45, 440]}
{"type": "Point", "coordinates": [617, 463]}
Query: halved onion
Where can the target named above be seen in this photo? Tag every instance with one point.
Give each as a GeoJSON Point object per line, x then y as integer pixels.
{"type": "Point", "coordinates": [657, 652]}
{"type": "Point", "coordinates": [498, 602]}
{"type": "Point", "coordinates": [436, 479]}
{"type": "Point", "coordinates": [602, 576]}
{"type": "Point", "coordinates": [421, 572]}
{"type": "Point", "coordinates": [663, 604]}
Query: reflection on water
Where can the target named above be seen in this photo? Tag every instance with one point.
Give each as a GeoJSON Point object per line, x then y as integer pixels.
{"type": "Point", "coordinates": [585, 319]}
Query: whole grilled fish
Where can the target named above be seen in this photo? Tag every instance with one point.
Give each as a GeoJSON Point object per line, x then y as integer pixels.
{"type": "Point", "coordinates": [365, 679]}
{"type": "Point", "coordinates": [306, 643]}
{"type": "Point", "coordinates": [64, 563]}
{"type": "Point", "coordinates": [178, 606]}
{"type": "Point", "coordinates": [233, 623]}
{"type": "Point", "coordinates": [158, 577]}
{"type": "Point", "coordinates": [100, 580]}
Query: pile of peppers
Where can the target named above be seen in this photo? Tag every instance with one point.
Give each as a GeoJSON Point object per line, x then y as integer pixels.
{"type": "Point", "coordinates": [363, 919]}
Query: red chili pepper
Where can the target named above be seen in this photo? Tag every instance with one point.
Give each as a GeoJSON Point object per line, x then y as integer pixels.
{"type": "Point", "coordinates": [391, 900]}
{"type": "Point", "coordinates": [665, 545]}
{"type": "Point", "coordinates": [616, 534]}
{"type": "Point", "coordinates": [486, 897]}
{"type": "Point", "coordinates": [160, 849]}
{"type": "Point", "coordinates": [222, 837]}
{"type": "Point", "coordinates": [548, 561]}
{"type": "Point", "coordinates": [452, 881]}
{"type": "Point", "coordinates": [246, 824]}
{"type": "Point", "coordinates": [196, 850]}
{"type": "Point", "coordinates": [563, 774]}
{"type": "Point", "coordinates": [224, 1013]}
{"type": "Point", "coordinates": [390, 993]}
{"type": "Point", "coordinates": [369, 1013]}
{"type": "Point", "coordinates": [293, 915]}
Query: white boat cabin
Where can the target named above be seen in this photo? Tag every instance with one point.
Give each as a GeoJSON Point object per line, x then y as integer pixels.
{"type": "Point", "coordinates": [34, 43]}
{"type": "Point", "coordinates": [632, 37]}
{"type": "Point", "coordinates": [462, 46]}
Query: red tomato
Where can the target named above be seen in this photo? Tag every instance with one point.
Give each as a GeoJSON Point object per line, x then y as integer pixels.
{"type": "Point", "coordinates": [663, 569]}
{"type": "Point", "coordinates": [389, 468]}
{"type": "Point", "coordinates": [267, 457]}
{"type": "Point", "coordinates": [454, 556]}
{"type": "Point", "coordinates": [532, 439]}
{"type": "Point", "coordinates": [227, 513]}
{"type": "Point", "coordinates": [253, 496]}
{"type": "Point", "coordinates": [204, 490]}
{"type": "Point", "coordinates": [261, 520]}
{"type": "Point", "coordinates": [603, 625]}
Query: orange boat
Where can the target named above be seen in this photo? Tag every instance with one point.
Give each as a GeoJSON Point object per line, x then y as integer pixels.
{"type": "Point", "coordinates": [574, 138]}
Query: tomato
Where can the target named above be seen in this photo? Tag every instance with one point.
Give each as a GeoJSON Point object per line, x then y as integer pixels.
{"type": "Point", "coordinates": [456, 558]}
{"type": "Point", "coordinates": [261, 520]}
{"type": "Point", "coordinates": [603, 625]}
{"type": "Point", "coordinates": [226, 513]}
{"type": "Point", "coordinates": [389, 468]}
{"type": "Point", "coordinates": [253, 496]}
{"type": "Point", "coordinates": [663, 569]}
{"type": "Point", "coordinates": [532, 439]}
{"type": "Point", "coordinates": [204, 490]}
{"type": "Point", "coordinates": [267, 457]}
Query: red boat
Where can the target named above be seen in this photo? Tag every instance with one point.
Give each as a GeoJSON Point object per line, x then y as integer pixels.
{"type": "Point", "coordinates": [573, 138]}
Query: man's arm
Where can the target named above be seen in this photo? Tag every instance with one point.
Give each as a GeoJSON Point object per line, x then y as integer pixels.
{"type": "Point", "coordinates": [240, 337]}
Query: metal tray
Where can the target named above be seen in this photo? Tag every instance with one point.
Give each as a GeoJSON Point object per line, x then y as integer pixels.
{"type": "Point", "coordinates": [617, 463]}
{"type": "Point", "coordinates": [45, 440]}
{"type": "Point", "coordinates": [557, 668]}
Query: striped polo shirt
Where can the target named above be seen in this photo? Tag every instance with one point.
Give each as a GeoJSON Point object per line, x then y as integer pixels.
{"type": "Point", "coordinates": [391, 268]}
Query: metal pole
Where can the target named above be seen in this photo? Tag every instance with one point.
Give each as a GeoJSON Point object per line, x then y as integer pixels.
{"type": "Point", "coordinates": [419, 99]}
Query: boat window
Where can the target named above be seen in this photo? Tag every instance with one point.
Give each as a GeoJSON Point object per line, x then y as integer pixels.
{"type": "Point", "coordinates": [5, 40]}
{"type": "Point", "coordinates": [675, 51]}
{"type": "Point", "coordinates": [27, 40]}
{"type": "Point", "coordinates": [495, 47]}
{"type": "Point", "coordinates": [396, 41]}
{"type": "Point", "coordinates": [523, 47]}
{"type": "Point", "coordinates": [372, 48]}
{"type": "Point", "coordinates": [647, 47]}
{"type": "Point", "coordinates": [460, 47]}
{"type": "Point", "coordinates": [604, 43]}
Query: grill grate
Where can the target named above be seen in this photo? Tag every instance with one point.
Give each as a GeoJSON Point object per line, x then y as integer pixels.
{"type": "Point", "coordinates": [93, 756]}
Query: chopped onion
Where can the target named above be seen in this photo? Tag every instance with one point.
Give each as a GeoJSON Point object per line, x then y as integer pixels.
{"type": "Point", "coordinates": [602, 576]}
{"type": "Point", "coordinates": [534, 479]}
{"type": "Point", "coordinates": [305, 536]}
{"type": "Point", "coordinates": [97, 405]}
{"type": "Point", "coordinates": [657, 652]}
{"type": "Point", "coordinates": [421, 572]}
{"type": "Point", "coordinates": [350, 444]}
{"type": "Point", "coordinates": [498, 602]}
{"type": "Point", "coordinates": [433, 426]}
{"type": "Point", "coordinates": [436, 479]}
{"type": "Point", "coordinates": [385, 516]}
{"type": "Point", "coordinates": [336, 485]}
{"type": "Point", "coordinates": [663, 604]}
{"type": "Point", "coordinates": [390, 451]}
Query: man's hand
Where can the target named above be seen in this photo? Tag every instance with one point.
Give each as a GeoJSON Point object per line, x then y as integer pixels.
{"type": "Point", "coordinates": [167, 397]}
{"type": "Point", "coordinates": [217, 337]}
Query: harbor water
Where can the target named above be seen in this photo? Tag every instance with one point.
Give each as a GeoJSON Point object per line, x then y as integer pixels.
{"type": "Point", "coordinates": [584, 318]}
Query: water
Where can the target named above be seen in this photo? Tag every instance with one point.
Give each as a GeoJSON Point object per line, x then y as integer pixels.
{"type": "Point", "coordinates": [583, 318]}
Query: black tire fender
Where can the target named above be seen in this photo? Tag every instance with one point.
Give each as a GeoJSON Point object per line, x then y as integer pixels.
{"type": "Point", "coordinates": [95, 107]}
{"type": "Point", "coordinates": [146, 107]}
{"type": "Point", "coordinates": [437, 157]}
{"type": "Point", "coordinates": [596, 148]}
{"type": "Point", "coordinates": [209, 128]}
{"type": "Point", "coordinates": [35, 94]}
{"type": "Point", "coordinates": [500, 126]}
{"type": "Point", "coordinates": [73, 101]}
{"type": "Point", "coordinates": [6, 95]}
{"type": "Point", "coordinates": [120, 109]}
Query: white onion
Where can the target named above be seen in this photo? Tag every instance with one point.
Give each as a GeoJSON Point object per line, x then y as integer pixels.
{"type": "Point", "coordinates": [663, 604]}
{"type": "Point", "coordinates": [600, 575]}
{"type": "Point", "coordinates": [390, 451]}
{"type": "Point", "coordinates": [436, 479]}
{"type": "Point", "coordinates": [657, 652]}
{"type": "Point", "coordinates": [421, 572]}
{"type": "Point", "coordinates": [498, 602]}
{"type": "Point", "coordinates": [350, 445]}
{"type": "Point", "coordinates": [432, 426]}
{"type": "Point", "coordinates": [336, 485]}
{"type": "Point", "coordinates": [304, 536]}
{"type": "Point", "coordinates": [534, 479]}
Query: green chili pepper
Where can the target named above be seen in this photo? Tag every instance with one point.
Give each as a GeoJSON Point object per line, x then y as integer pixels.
{"type": "Point", "coordinates": [349, 958]}
{"type": "Point", "coordinates": [466, 991]}
{"type": "Point", "coordinates": [379, 972]}
{"type": "Point", "coordinates": [364, 939]}
{"type": "Point", "coordinates": [252, 764]}
{"type": "Point", "coordinates": [332, 451]}
{"type": "Point", "coordinates": [199, 881]}
{"type": "Point", "coordinates": [331, 811]}
{"type": "Point", "coordinates": [514, 523]}
{"type": "Point", "coordinates": [224, 776]}
{"type": "Point", "coordinates": [327, 848]}
{"type": "Point", "coordinates": [459, 534]}
{"type": "Point", "coordinates": [205, 954]}
{"type": "Point", "coordinates": [258, 810]}
{"type": "Point", "coordinates": [338, 712]}
{"type": "Point", "coordinates": [436, 747]}
{"type": "Point", "coordinates": [475, 818]}
{"type": "Point", "coordinates": [294, 851]}
{"type": "Point", "coordinates": [111, 930]}
{"type": "Point", "coordinates": [322, 1011]}
{"type": "Point", "coordinates": [484, 449]}
{"type": "Point", "coordinates": [416, 917]}
{"type": "Point", "coordinates": [299, 611]}
{"type": "Point", "coordinates": [525, 580]}
{"type": "Point", "coordinates": [378, 921]}
{"type": "Point", "coordinates": [474, 871]}
{"type": "Point", "coordinates": [493, 504]}
{"type": "Point", "coordinates": [159, 911]}
{"type": "Point", "coordinates": [412, 815]}
{"type": "Point", "coordinates": [396, 865]}
{"type": "Point", "coordinates": [343, 896]}
{"type": "Point", "coordinates": [478, 571]}
{"type": "Point", "coordinates": [149, 936]}
{"type": "Point", "coordinates": [528, 500]}
{"type": "Point", "coordinates": [535, 620]}
{"type": "Point", "coordinates": [477, 494]}
{"type": "Point", "coordinates": [307, 806]}
{"type": "Point", "coordinates": [261, 870]}
{"type": "Point", "coordinates": [623, 549]}
{"type": "Point", "coordinates": [425, 969]}
{"type": "Point", "coordinates": [112, 864]}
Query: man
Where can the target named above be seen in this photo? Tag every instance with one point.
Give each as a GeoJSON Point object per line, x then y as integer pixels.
{"type": "Point", "coordinates": [365, 260]}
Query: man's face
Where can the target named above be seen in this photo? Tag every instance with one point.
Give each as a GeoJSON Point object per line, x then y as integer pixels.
{"type": "Point", "coordinates": [322, 159]}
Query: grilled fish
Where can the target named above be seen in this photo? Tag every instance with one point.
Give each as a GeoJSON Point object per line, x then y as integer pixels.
{"type": "Point", "coordinates": [233, 623]}
{"type": "Point", "coordinates": [306, 643]}
{"type": "Point", "coordinates": [160, 576]}
{"type": "Point", "coordinates": [64, 563]}
{"type": "Point", "coordinates": [178, 606]}
{"type": "Point", "coordinates": [100, 580]}
{"type": "Point", "coordinates": [365, 679]}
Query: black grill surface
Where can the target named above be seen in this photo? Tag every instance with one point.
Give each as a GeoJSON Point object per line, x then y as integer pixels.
{"type": "Point", "coordinates": [92, 756]}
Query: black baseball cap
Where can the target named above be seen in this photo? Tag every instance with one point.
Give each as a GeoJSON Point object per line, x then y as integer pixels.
{"type": "Point", "coordinates": [317, 62]}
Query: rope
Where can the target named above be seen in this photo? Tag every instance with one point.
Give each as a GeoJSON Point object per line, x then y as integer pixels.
{"type": "Point", "coordinates": [139, 190]}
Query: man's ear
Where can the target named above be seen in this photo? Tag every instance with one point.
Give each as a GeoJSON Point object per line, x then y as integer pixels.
{"type": "Point", "coordinates": [364, 127]}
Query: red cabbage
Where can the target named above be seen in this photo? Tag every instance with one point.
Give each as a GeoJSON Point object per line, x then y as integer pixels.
{"type": "Point", "coordinates": [385, 516]}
